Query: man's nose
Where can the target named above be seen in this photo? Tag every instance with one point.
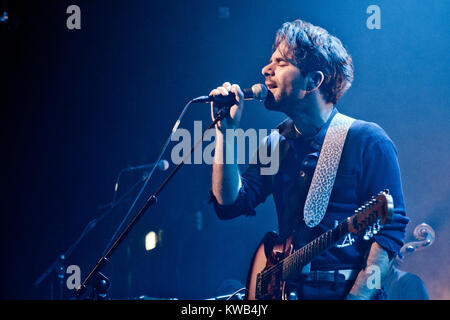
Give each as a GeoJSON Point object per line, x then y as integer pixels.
{"type": "Point", "coordinates": [267, 70]}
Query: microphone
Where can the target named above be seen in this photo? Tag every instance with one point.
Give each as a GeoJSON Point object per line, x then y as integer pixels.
{"type": "Point", "coordinates": [256, 92]}
{"type": "Point", "coordinates": [162, 165]}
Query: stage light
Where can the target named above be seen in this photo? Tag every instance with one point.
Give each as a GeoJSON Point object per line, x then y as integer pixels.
{"type": "Point", "coordinates": [4, 17]}
{"type": "Point", "coordinates": [151, 240]}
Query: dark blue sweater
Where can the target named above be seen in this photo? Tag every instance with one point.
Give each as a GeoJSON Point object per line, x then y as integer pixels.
{"type": "Point", "coordinates": [368, 165]}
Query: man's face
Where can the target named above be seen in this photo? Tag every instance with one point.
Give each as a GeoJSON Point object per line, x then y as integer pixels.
{"type": "Point", "coordinates": [284, 81]}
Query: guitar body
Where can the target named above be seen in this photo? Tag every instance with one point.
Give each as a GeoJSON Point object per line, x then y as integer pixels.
{"type": "Point", "coordinates": [275, 264]}
{"type": "Point", "coordinates": [271, 250]}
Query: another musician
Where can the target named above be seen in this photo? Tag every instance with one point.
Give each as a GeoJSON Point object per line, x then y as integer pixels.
{"type": "Point", "coordinates": [307, 74]}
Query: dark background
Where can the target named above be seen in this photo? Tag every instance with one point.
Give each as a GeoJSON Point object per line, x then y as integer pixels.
{"type": "Point", "coordinates": [80, 105]}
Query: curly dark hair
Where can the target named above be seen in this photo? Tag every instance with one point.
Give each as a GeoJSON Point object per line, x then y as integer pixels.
{"type": "Point", "coordinates": [314, 49]}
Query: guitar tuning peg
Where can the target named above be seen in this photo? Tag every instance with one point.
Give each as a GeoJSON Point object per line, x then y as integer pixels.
{"type": "Point", "coordinates": [375, 228]}
{"type": "Point", "coordinates": [368, 234]}
{"type": "Point", "coordinates": [377, 225]}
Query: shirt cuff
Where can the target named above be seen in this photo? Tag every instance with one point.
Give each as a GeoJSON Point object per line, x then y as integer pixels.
{"type": "Point", "coordinates": [391, 236]}
{"type": "Point", "coordinates": [241, 206]}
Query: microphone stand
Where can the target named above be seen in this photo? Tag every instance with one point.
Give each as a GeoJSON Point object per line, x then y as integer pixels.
{"type": "Point", "coordinates": [100, 283]}
{"type": "Point", "coordinates": [59, 265]}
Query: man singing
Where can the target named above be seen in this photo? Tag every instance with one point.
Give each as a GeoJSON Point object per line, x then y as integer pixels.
{"type": "Point", "coordinates": [307, 74]}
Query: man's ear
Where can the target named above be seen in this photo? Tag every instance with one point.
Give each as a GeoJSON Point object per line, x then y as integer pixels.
{"type": "Point", "coordinates": [314, 81]}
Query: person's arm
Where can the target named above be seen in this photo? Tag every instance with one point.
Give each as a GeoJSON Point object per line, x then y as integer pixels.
{"type": "Point", "coordinates": [234, 194]}
{"type": "Point", "coordinates": [226, 180]}
{"type": "Point", "coordinates": [381, 171]}
{"type": "Point", "coordinates": [370, 278]}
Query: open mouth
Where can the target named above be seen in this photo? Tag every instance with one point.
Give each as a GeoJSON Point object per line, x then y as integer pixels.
{"type": "Point", "coordinates": [270, 85]}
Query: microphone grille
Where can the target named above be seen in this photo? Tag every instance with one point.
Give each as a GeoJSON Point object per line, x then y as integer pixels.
{"type": "Point", "coordinates": [163, 165]}
{"type": "Point", "coordinates": [259, 91]}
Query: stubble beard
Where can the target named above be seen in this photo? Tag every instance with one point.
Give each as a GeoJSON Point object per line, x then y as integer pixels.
{"type": "Point", "coordinates": [280, 104]}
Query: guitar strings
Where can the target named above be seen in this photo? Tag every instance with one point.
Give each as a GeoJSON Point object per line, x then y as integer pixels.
{"type": "Point", "coordinates": [313, 245]}
{"type": "Point", "coordinates": [296, 255]}
{"type": "Point", "coordinates": [308, 250]}
{"type": "Point", "coordinates": [275, 268]}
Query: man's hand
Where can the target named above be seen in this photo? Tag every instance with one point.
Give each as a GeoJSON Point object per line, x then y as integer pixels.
{"type": "Point", "coordinates": [232, 121]}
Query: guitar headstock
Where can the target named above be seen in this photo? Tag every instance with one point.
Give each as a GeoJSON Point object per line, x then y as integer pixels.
{"type": "Point", "coordinates": [371, 216]}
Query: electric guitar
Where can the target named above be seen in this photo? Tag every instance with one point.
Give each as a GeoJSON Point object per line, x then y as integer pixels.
{"type": "Point", "coordinates": [275, 263]}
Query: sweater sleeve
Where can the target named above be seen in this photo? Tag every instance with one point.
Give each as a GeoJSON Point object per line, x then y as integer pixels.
{"type": "Point", "coordinates": [381, 171]}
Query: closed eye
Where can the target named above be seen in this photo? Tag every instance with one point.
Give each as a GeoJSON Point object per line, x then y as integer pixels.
{"type": "Point", "coordinates": [281, 62]}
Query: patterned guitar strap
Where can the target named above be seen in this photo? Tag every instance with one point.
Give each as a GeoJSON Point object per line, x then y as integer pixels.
{"type": "Point", "coordinates": [325, 173]}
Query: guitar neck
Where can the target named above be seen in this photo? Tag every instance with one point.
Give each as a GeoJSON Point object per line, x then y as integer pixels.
{"type": "Point", "coordinates": [294, 263]}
